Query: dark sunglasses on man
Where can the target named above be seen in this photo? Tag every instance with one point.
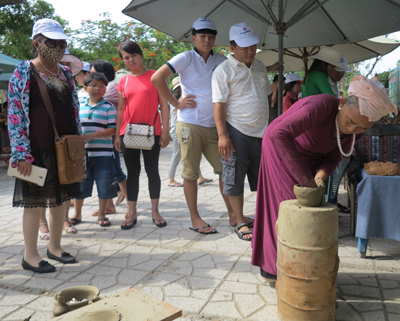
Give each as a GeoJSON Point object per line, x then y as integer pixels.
{"type": "Point", "coordinates": [62, 44]}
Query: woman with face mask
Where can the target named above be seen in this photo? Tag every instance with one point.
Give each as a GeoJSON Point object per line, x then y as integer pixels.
{"type": "Point", "coordinates": [32, 140]}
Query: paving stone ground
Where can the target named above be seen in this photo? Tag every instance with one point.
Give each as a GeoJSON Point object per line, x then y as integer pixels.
{"type": "Point", "coordinates": [208, 277]}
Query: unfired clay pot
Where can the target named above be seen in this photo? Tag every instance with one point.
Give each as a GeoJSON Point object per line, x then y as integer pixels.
{"type": "Point", "coordinates": [309, 196]}
{"type": "Point", "coordinates": [61, 298]}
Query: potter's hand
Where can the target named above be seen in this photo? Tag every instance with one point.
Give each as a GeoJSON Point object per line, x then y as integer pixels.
{"type": "Point", "coordinates": [320, 182]}
{"type": "Point", "coordinates": [320, 178]}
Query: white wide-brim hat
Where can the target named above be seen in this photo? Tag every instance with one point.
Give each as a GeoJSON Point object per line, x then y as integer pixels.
{"type": "Point", "coordinates": [343, 62]}
{"type": "Point", "coordinates": [176, 83]}
{"type": "Point", "coordinates": [329, 55]}
{"type": "Point", "coordinates": [75, 63]}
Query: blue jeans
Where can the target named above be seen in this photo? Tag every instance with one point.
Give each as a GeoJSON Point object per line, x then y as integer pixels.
{"type": "Point", "coordinates": [102, 171]}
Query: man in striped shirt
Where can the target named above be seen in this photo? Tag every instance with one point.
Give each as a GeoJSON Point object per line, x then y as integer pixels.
{"type": "Point", "coordinates": [97, 118]}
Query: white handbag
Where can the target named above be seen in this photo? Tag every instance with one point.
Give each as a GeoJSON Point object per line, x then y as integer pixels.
{"type": "Point", "coordinates": [139, 136]}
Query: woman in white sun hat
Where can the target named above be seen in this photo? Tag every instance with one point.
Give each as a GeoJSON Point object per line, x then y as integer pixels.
{"type": "Point", "coordinates": [32, 140]}
{"type": "Point", "coordinates": [316, 80]}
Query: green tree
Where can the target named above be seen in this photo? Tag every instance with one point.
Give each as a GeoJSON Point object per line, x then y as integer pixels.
{"type": "Point", "coordinates": [16, 22]}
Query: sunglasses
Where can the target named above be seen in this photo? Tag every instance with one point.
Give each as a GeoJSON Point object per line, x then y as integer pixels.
{"type": "Point", "coordinates": [62, 44]}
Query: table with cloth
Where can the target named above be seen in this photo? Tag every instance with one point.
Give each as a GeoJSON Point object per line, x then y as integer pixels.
{"type": "Point", "coordinates": [378, 212]}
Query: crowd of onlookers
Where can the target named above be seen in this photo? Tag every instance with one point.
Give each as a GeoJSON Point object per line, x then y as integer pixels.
{"type": "Point", "coordinates": [221, 107]}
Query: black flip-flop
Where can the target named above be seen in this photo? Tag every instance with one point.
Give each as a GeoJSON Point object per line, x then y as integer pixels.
{"type": "Point", "coordinates": [160, 224]}
{"type": "Point", "coordinates": [201, 228]}
{"type": "Point", "coordinates": [241, 234]}
{"type": "Point", "coordinates": [74, 221]}
{"type": "Point", "coordinates": [127, 226]}
{"type": "Point", "coordinates": [106, 222]}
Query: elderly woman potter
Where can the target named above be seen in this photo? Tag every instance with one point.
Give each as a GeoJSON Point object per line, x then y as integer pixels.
{"type": "Point", "coordinates": [303, 146]}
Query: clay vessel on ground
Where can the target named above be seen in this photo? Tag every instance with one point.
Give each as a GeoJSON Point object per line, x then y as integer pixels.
{"type": "Point", "coordinates": [62, 297]}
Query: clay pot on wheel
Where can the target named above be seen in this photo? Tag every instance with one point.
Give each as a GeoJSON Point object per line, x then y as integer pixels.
{"type": "Point", "coordinates": [309, 196]}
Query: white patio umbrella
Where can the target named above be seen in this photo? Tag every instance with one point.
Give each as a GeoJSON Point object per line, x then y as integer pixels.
{"type": "Point", "coordinates": [278, 23]}
{"type": "Point", "coordinates": [296, 59]}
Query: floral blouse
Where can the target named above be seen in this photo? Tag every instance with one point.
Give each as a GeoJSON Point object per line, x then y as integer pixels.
{"type": "Point", "coordinates": [18, 111]}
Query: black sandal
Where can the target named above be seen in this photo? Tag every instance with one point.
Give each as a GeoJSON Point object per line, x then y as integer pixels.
{"type": "Point", "coordinates": [201, 228]}
{"type": "Point", "coordinates": [74, 221]}
{"type": "Point", "coordinates": [127, 226]}
{"type": "Point", "coordinates": [104, 222]}
{"type": "Point", "coordinates": [160, 224]}
{"type": "Point", "coordinates": [241, 234]}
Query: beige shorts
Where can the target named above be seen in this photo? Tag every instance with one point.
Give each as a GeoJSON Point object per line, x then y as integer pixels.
{"type": "Point", "coordinates": [194, 141]}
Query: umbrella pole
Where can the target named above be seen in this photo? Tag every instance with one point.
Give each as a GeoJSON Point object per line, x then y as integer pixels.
{"type": "Point", "coordinates": [280, 28]}
{"type": "Point", "coordinates": [280, 77]}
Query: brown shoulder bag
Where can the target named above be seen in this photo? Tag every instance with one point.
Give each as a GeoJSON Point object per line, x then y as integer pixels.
{"type": "Point", "coordinates": [70, 149]}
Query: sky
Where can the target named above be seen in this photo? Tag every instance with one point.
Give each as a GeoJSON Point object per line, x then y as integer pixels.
{"type": "Point", "coordinates": [77, 10]}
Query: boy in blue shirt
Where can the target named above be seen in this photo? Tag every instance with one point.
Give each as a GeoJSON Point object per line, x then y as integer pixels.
{"type": "Point", "coordinates": [97, 118]}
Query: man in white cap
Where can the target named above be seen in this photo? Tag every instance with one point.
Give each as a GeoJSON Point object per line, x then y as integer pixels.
{"type": "Point", "coordinates": [240, 92]}
{"type": "Point", "coordinates": [337, 74]}
{"type": "Point", "coordinates": [195, 129]}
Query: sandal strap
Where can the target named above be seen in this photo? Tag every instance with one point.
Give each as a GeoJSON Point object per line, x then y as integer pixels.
{"type": "Point", "coordinates": [201, 228]}
{"type": "Point", "coordinates": [40, 224]}
{"type": "Point", "coordinates": [239, 226]}
{"type": "Point", "coordinates": [245, 233]}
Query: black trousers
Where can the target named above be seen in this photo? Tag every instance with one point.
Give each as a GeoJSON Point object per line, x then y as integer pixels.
{"type": "Point", "coordinates": [132, 162]}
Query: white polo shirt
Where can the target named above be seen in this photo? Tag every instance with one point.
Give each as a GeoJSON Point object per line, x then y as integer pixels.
{"type": "Point", "coordinates": [195, 78]}
{"type": "Point", "coordinates": [245, 92]}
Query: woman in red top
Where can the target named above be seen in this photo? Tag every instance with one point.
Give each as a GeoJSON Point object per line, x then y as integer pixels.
{"type": "Point", "coordinates": [142, 101]}
{"type": "Point", "coordinates": [293, 88]}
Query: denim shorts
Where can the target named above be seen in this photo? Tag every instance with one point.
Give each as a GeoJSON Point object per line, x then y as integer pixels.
{"type": "Point", "coordinates": [102, 171]}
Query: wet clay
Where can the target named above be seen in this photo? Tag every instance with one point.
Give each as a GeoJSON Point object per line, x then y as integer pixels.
{"type": "Point", "coordinates": [309, 196]}
{"type": "Point", "coordinates": [382, 168]}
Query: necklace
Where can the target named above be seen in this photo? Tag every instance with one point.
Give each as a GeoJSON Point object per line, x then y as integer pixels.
{"type": "Point", "coordinates": [339, 143]}
{"type": "Point", "coordinates": [58, 69]}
